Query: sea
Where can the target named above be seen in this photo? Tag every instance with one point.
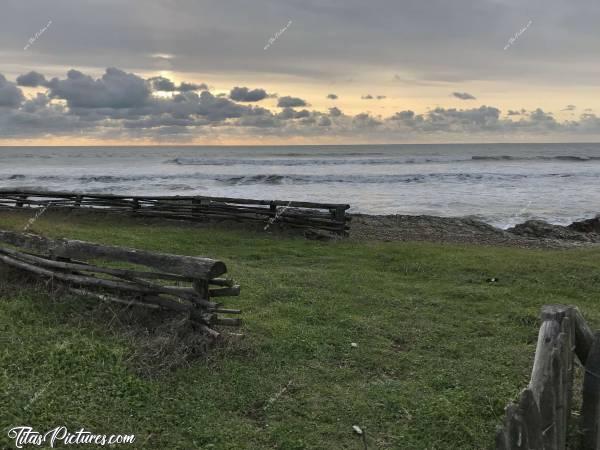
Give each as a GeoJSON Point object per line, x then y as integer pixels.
{"type": "Point", "coordinates": [501, 184]}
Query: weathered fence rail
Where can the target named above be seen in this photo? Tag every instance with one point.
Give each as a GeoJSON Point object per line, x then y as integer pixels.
{"type": "Point", "coordinates": [540, 417]}
{"type": "Point", "coordinates": [328, 217]}
{"type": "Point", "coordinates": [178, 283]}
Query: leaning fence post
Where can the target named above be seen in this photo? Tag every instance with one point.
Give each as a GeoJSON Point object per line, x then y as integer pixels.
{"type": "Point", "coordinates": [584, 336]}
{"type": "Point", "coordinates": [590, 416]}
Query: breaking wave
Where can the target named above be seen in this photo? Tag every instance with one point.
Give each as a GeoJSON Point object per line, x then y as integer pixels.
{"type": "Point", "coordinates": [180, 161]}
{"type": "Point", "coordinates": [182, 181]}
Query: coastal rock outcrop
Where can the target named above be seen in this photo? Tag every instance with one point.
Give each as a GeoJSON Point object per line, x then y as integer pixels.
{"type": "Point", "coordinates": [469, 230]}
{"type": "Point", "coordinates": [545, 230]}
{"type": "Point", "coordinates": [587, 226]}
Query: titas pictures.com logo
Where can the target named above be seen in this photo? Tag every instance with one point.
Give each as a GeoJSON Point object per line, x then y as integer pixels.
{"type": "Point", "coordinates": [61, 436]}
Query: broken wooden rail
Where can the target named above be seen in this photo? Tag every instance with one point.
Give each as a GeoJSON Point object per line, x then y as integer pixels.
{"type": "Point", "coordinates": [540, 417]}
{"type": "Point", "coordinates": [326, 217]}
{"type": "Point", "coordinates": [186, 284]}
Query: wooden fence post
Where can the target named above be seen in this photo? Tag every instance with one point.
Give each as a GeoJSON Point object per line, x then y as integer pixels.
{"type": "Point", "coordinates": [590, 416]}
{"type": "Point", "coordinates": [540, 420]}
{"type": "Point", "coordinates": [19, 203]}
{"type": "Point", "coordinates": [584, 336]}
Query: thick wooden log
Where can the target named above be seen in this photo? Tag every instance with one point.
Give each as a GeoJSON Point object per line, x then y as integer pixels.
{"type": "Point", "coordinates": [590, 417]}
{"type": "Point", "coordinates": [91, 268]}
{"type": "Point", "coordinates": [77, 279]}
{"type": "Point", "coordinates": [184, 265]}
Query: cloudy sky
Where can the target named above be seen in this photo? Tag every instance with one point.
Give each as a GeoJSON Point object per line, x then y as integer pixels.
{"type": "Point", "coordinates": [298, 71]}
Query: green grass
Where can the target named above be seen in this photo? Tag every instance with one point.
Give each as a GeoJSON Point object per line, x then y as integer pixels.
{"type": "Point", "coordinates": [440, 350]}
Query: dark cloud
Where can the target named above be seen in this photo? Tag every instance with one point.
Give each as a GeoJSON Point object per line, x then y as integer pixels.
{"type": "Point", "coordinates": [291, 113]}
{"type": "Point", "coordinates": [243, 94]}
{"type": "Point", "coordinates": [116, 89]}
{"type": "Point", "coordinates": [165, 85]}
{"type": "Point", "coordinates": [185, 87]}
{"type": "Point", "coordinates": [403, 115]}
{"type": "Point", "coordinates": [290, 102]}
{"type": "Point", "coordinates": [335, 112]}
{"type": "Point", "coordinates": [513, 113]}
{"type": "Point", "coordinates": [332, 97]}
{"type": "Point", "coordinates": [463, 95]}
{"type": "Point", "coordinates": [367, 97]}
{"type": "Point", "coordinates": [539, 116]}
{"type": "Point", "coordinates": [365, 120]}
{"type": "Point", "coordinates": [482, 118]}
{"type": "Point", "coordinates": [10, 95]}
{"type": "Point", "coordinates": [162, 84]}
{"type": "Point", "coordinates": [570, 108]}
{"type": "Point", "coordinates": [380, 97]}
{"type": "Point", "coordinates": [31, 79]}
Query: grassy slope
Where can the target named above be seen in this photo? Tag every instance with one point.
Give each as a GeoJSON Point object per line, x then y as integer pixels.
{"type": "Point", "coordinates": [440, 350]}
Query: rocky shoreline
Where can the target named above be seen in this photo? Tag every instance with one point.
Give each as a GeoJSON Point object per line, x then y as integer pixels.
{"type": "Point", "coordinates": [465, 230]}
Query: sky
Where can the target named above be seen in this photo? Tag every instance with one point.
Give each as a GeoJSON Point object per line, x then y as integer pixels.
{"type": "Point", "coordinates": [109, 72]}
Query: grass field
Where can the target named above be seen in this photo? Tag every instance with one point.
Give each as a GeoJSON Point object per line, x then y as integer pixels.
{"type": "Point", "coordinates": [440, 350]}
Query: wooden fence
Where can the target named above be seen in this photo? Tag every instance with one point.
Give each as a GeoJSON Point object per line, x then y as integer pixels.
{"type": "Point", "coordinates": [327, 217]}
{"type": "Point", "coordinates": [540, 417]}
{"type": "Point", "coordinates": [178, 283]}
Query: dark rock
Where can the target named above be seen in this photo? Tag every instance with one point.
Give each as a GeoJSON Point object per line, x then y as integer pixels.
{"type": "Point", "coordinates": [587, 226]}
{"type": "Point", "coordinates": [541, 229]}
{"type": "Point", "coordinates": [465, 230]}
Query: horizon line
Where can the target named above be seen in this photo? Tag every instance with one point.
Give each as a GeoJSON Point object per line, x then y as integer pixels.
{"type": "Point", "coordinates": [299, 145]}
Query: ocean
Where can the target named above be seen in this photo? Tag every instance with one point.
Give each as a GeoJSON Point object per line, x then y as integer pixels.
{"type": "Point", "coordinates": [501, 184]}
